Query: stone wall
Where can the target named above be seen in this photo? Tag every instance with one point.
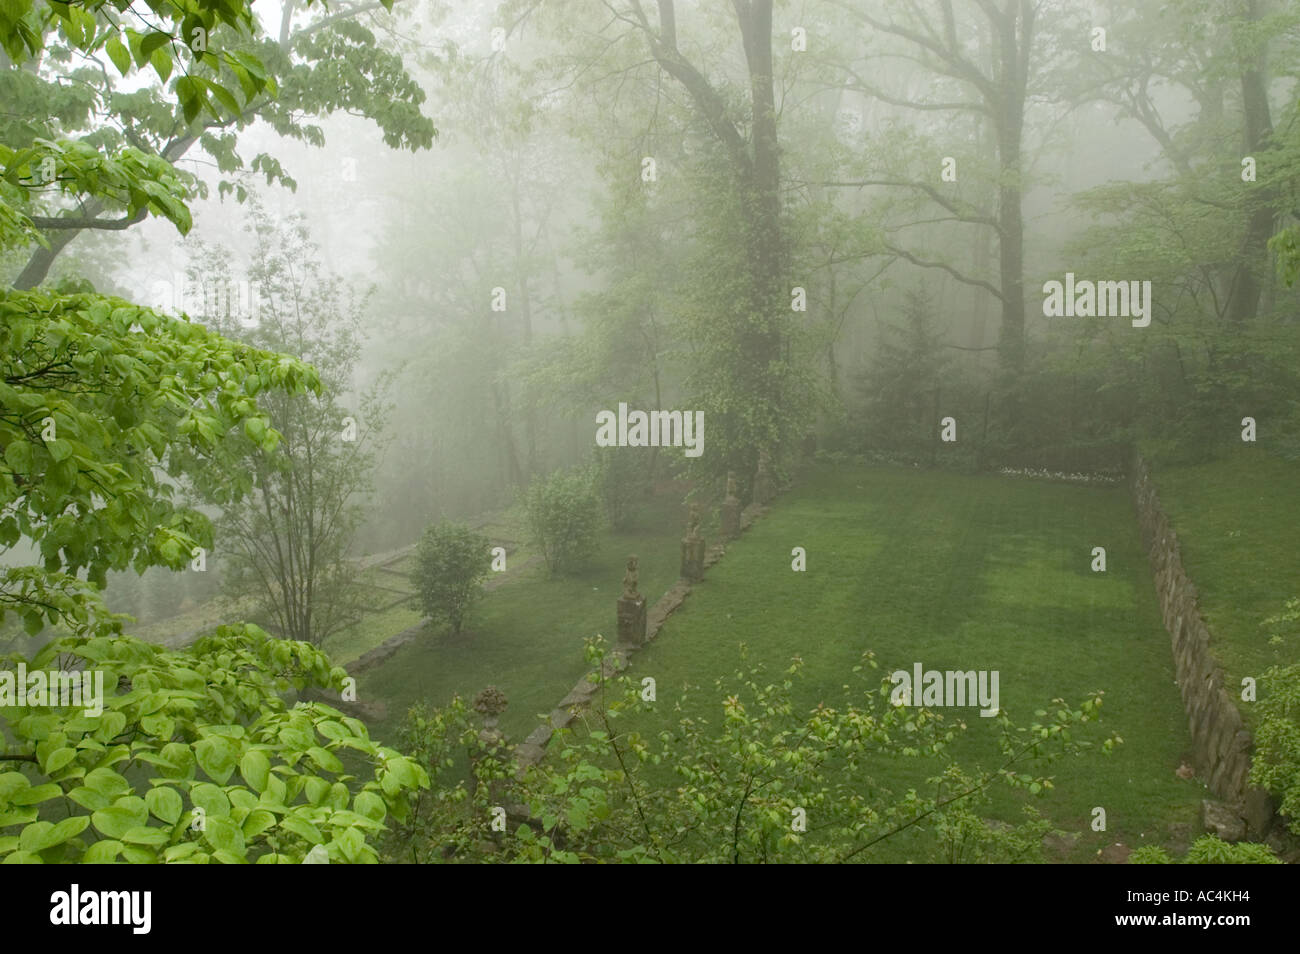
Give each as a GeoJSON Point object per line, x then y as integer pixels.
{"type": "Point", "coordinates": [1221, 743]}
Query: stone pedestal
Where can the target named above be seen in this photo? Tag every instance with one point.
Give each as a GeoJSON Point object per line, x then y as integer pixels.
{"type": "Point", "coordinates": [764, 483]}
{"type": "Point", "coordinates": [730, 510]}
{"type": "Point", "coordinates": [631, 620]}
{"type": "Point", "coordinates": [693, 559]}
{"type": "Point", "coordinates": [631, 609]}
{"type": "Point", "coordinates": [693, 548]}
{"type": "Point", "coordinates": [490, 703]}
{"type": "Point", "coordinates": [730, 518]}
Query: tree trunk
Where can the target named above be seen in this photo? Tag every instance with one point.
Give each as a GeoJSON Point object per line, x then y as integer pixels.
{"type": "Point", "coordinates": [1013, 53]}
{"type": "Point", "coordinates": [1257, 128]}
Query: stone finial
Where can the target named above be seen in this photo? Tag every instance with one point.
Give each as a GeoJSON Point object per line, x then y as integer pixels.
{"type": "Point", "coordinates": [764, 484]}
{"type": "Point", "coordinates": [490, 703]}
{"type": "Point", "coordinates": [631, 611]}
{"type": "Point", "coordinates": [629, 580]}
{"type": "Point", "coordinates": [730, 510]}
{"type": "Point", "coordinates": [693, 548]}
{"type": "Point", "coordinates": [693, 523]}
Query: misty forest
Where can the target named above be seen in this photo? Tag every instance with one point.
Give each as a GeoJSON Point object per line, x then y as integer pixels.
{"type": "Point", "coordinates": [795, 431]}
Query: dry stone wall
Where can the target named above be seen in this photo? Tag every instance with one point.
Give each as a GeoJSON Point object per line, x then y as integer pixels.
{"type": "Point", "coordinates": [1221, 743]}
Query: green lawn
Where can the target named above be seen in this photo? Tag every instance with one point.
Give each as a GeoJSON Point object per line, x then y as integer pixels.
{"type": "Point", "coordinates": [1238, 525]}
{"type": "Point", "coordinates": [963, 573]}
{"type": "Point", "coordinates": [526, 636]}
{"type": "Point", "coordinates": [363, 636]}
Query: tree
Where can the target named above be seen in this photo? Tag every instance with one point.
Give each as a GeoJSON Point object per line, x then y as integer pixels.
{"type": "Point", "coordinates": [563, 517]}
{"type": "Point", "coordinates": [1201, 82]}
{"type": "Point", "coordinates": [900, 387]}
{"type": "Point", "coordinates": [102, 402]}
{"type": "Point", "coordinates": [988, 65]}
{"type": "Point", "coordinates": [188, 724]}
{"type": "Point", "coordinates": [103, 158]}
{"type": "Point", "coordinates": [289, 540]}
{"type": "Point", "coordinates": [103, 405]}
{"type": "Point", "coordinates": [450, 565]}
{"type": "Point", "coordinates": [621, 478]}
{"type": "Point", "coordinates": [1224, 61]}
{"type": "Point", "coordinates": [737, 317]}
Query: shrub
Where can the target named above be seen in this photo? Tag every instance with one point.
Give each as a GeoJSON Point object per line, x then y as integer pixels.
{"type": "Point", "coordinates": [899, 390]}
{"type": "Point", "coordinates": [1208, 850]}
{"type": "Point", "coordinates": [450, 565]}
{"type": "Point", "coordinates": [204, 733]}
{"type": "Point", "coordinates": [563, 518]}
{"type": "Point", "coordinates": [620, 476]}
{"type": "Point", "coordinates": [1276, 764]}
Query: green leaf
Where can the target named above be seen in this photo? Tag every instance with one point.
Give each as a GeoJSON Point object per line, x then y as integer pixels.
{"type": "Point", "coordinates": [41, 835]}
{"type": "Point", "coordinates": [370, 805]}
{"type": "Point", "coordinates": [216, 756]}
{"type": "Point", "coordinates": [18, 455]}
{"type": "Point", "coordinates": [325, 759]}
{"type": "Point", "coordinates": [258, 821]}
{"type": "Point", "coordinates": [106, 782]}
{"type": "Point", "coordinates": [88, 798]}
{"type": "Point", "coordinates": [158, 725]}
{"type": "Point", "coordinates": [302, 828]}
{"type": "Point", "coordinates": [116, 820]}
{"type": "Point", "coordinates": [255, 767]}
{"type": "Point", "coordinates": [351, 843]}
{"type": "Point", "coordinates": [164, 803]}
{"type": "Point", "coordinates": [181, 851]}
{"type": "Point", "coordinates": [226, 98]}
{"type": "Point", "coordinates": [161, 61]}
{"type": "Point", "coordinates": [192, 96]}
{"type": "Point", "coordinates": [224, 835]}
{"type": "Point", "coordinates": [119, 54]}
{"type": "Point", "coordinates": [59, 449]}
{"type": "Point", "coordinates": [18, 816]}
{"type": "Point", "coordinates": [36, 795]}
{"type": "Point", "coordinates": [149, 43]}
{"type": "Point", "coordinates": [102, 852]}
{"type": "Point", "coordinates": [144, 835]}
{"type": "Point", "coordinates": [58, 759]}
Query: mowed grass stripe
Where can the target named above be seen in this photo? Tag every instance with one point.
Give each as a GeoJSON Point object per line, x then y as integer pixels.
{"type": "Point", "coordinates": [963, 573]}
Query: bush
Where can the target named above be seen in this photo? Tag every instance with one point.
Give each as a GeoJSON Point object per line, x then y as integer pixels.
{"type": "Point", "coordinates": [563, 518]}
{"type": "Point", "coordinates": [450, 565]}
{"type": "Point", "coordinates": [620, 477]}
{"type": "Point", "coordinates": [1276, 764]}
{"type": "Point", "coordinates": [1208, 850]}
{"type": "Point", "coordinates": [899, 391]}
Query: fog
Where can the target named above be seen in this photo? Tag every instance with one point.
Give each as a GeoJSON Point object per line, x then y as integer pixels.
{"type": "Point", "coordinates": [839, 291]}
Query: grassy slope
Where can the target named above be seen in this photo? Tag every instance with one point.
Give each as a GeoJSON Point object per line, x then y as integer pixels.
{"type": "Point", "coordinates": [1237, 522]}
{"type": "Point", "coordinates": [526, 637]}
{"type": "Point", "coordinates": [958, 573]}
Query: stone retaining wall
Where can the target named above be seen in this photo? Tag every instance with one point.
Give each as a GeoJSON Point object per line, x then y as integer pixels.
{"type": "Point", "coordinates": [1221, 743]}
